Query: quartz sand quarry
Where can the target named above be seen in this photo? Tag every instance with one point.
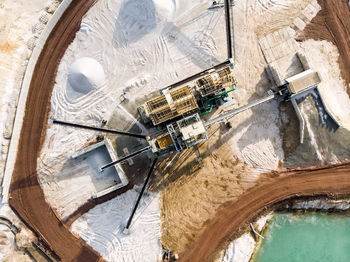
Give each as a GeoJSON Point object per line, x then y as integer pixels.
{"type": "Point", "coordinates": [118, 56]}
{"type": "Point", "coordinates": [141, 243]}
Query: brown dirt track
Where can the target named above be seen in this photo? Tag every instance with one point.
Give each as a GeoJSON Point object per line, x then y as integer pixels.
{"type": "Point", "coordinates": [26, 195]}
{"type": "Point", "coordinates": [27, 198]}
{"type": "Point", "coordinates": [332, 23]}
{"type": "Point", "coordinates": [233, 216]}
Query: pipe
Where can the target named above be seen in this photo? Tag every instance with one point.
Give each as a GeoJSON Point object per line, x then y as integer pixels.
{"type": "Point", "coordinates": [113, 131]}
{"type": "Point", "coordinates": [235, 86]}
{"type": "Point", "coordinates": [236, 111]}
{"type": "Point", "coordinates": [228, 29]}
{"type": "Point", "coordinates": [208, 111]}
{"type": "Point", "coordinates": [125, 158]}
{"type": "Point", "coordinates": [141, 193]}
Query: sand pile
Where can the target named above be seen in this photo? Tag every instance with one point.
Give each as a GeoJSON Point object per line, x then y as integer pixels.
{"type": "Point", "coordinates": [84, 76]}
{"type": "Point", "coordinates": [102, 228]}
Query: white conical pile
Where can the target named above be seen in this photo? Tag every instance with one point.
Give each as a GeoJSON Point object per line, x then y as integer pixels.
{"type": "Point", "coordinates": [85, 75]}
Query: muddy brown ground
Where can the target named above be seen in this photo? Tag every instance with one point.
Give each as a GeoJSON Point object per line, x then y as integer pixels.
{"type": "Point", "coordinates": [26, 196]}
{"type": "Point", "coordinates": [332, 23]}
{"type": "Point", "coordinates": [234, 216]}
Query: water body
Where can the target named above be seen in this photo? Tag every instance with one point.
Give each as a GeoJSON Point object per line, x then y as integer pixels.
{"type": "Point", "coordinates": [307, 237]}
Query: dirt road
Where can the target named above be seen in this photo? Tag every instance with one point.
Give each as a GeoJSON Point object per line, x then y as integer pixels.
{"type": "Point", "coordinates": [332, 23]}
{"type": "Point", "coordinates": [26, 195]}
{"type": "Point", "coordinates": [233, 216]}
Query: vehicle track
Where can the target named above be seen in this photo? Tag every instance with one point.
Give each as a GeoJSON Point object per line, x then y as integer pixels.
{"type": "Point", "coordinates": [332, 23]}
{"type": "Point", "coordinates": [233, 216]}
{"type": "Point", "coordinates": [26, 196]}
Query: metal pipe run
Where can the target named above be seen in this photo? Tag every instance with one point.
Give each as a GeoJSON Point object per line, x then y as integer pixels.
{"type": "Point", "coordinates": [125, 157]}
{"type": "Point", "coordinates": [113, 131]}
{"type": "Point", "coordinates": [228, 28]}
{"type": "Point", "coordinates": [236, 111]}
{"type": "Point", "coordinates": [141, 193]}
{"type": "Point", "coordinates": [256, 233]}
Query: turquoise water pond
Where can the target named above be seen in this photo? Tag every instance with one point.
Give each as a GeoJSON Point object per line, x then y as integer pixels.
{"type": "Point", "coordinates": [311, 237]}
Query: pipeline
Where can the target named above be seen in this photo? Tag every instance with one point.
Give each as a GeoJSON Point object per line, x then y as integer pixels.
{"type": "Point", "coordinates": [113, 131]}
{"type": "Point", "coordinates": [141, 193]}
{"type": "Point", "coordinates": [236, 111]}
{"type": "Point", "coordinates": [126, 157]}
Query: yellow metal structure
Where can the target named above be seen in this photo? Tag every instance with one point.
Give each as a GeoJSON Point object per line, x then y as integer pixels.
{"type": "Point", "coordinates": [215, 81]}
{"type": "Point", "coordinates": [170, 104]}
{"type": "Point", "coordinates": [164, 141]}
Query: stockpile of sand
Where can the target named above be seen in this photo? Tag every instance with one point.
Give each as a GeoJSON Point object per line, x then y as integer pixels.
{"type": "Point", "coordinates": [102, 228]}
{"type": "Point", "coordinates": [85, 75]}
{"type": "Point", "coordinates": [141, 48]}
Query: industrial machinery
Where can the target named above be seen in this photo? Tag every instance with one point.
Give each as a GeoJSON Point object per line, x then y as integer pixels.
{"type": "Point", "coordinates": [177, 112]}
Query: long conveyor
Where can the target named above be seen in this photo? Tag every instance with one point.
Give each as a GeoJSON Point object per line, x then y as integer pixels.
{"type": "Point", "coordinates": [236, 111]}
{"type": "Point", "coordinates": [106, 130]}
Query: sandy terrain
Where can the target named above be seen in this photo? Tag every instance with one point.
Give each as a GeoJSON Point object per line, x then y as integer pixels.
{"type": "Point", "coordinates": [234, 159]}
{"type": "Point", "coordinates": [153, 53]}
{"type": "Point", "coordinates": [233, 216]}
{"type": "Point", "coordinates": [26, 196]}
{"type": "Point", "coordinates": [142, 243]}
{"type": "Point", "coordinates": [18, 27]}
{"type": "Point", "coordinates": [332, 24]}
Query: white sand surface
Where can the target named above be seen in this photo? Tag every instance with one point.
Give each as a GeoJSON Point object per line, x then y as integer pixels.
{"type": "Point", "coordinates": [102, 228]}
{"type": "Point", "coordinates": [322, 204]}
{"type": "Point", "coordinates": [142, 46]}
{"type": "Point", "coordinates": [242, 248]}
{"type": "Point", "coordinates": [16, 29]}
{"type": "Point", "coordinates": [323, 56]}
{"type": "Point", "coordinates": [8, 250]}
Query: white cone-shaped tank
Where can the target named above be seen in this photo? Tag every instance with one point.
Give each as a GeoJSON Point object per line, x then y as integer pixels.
{"type": "Point", "coordinates": [86, 75]}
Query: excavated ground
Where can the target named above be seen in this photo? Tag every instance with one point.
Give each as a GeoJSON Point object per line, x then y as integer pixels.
{"type": "Point", "coordinates": [233, 217]}
{"type": "Point", "coordinates": [332, 23]}
{"type": "Point", "coordinates": [26, 196]}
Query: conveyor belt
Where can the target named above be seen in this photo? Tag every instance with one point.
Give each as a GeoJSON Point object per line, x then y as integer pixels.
{"type": "Point", "coordinates": [126, 157]}
{"type": "Point", "coordinates": [236, 111]}
{"type": "Point", "coordinates": [113, 131]}
{"type": "Point", "coordinates": [141, 193]}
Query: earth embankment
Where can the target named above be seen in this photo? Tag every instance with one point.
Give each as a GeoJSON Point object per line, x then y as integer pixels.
{"type": "Point", "coordinates": [333, 180]}
{"type": "Point", "coordinates": [332, 23]}
{"type": "Point", "coordinates": [26, 196]}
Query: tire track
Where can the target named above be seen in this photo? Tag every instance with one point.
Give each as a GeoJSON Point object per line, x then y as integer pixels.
{"type": "Point", "coordinates": [233, 216]}
{"type": "Point", "coordinates": [26, 196]}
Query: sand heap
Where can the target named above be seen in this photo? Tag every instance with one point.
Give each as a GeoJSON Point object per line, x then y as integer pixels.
{"type": "Point", "coordinates": [85, 75]}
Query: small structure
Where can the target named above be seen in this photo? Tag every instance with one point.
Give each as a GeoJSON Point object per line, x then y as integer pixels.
{"type": "Point", "coordinates": [303, 81]}
{"type": "Point", "coordinates": [298, 86]}
{"type": "Point", "coordinates": [98, 155]}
